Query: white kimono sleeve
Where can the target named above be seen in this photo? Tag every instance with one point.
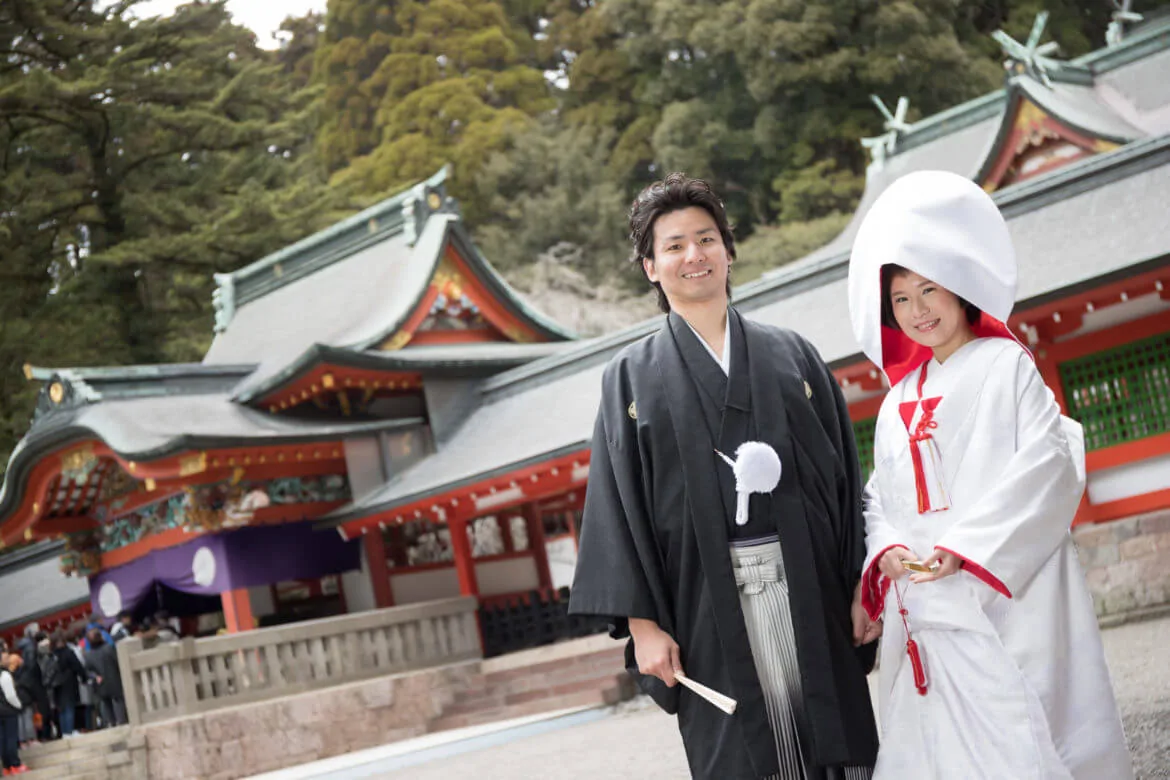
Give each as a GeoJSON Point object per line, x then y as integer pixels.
{"type": "Point", "coordinates": [880, 536]}
{"type": "Point", "coordinates": [1029, 504]}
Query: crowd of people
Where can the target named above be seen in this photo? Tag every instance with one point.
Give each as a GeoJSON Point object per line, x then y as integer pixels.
{"type": "Point", "coordinates": [54, 686]}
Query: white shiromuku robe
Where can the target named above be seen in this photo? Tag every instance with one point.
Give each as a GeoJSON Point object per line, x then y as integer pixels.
{"type": "Point", "coordinates": [1017, 682]}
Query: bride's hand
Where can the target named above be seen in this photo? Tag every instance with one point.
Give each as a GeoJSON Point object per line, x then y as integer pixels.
{"type": "Point", "coordinates": [948, 564]}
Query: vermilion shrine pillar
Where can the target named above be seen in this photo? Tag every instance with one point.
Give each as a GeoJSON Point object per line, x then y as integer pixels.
{"type": "Point", "coordinates": [374, 546]}
{"type": "Point", "coordinates": [464, 562]}
{"type": "Point", "coordinates": [237, 611]}
{"type": "Point", "coordinates": [536, 543]}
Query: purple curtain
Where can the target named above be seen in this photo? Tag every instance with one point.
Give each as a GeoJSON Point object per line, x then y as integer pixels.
{"type": "Point", "coordinates": [214, 563]}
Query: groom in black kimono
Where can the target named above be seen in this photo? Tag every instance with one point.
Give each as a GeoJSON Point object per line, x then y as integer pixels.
{"type": "Point", "coordinates": [660, 554]}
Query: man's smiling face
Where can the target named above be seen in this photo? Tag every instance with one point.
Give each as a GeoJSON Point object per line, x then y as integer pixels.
{"type": "Point", "coordinates": [690, 261]}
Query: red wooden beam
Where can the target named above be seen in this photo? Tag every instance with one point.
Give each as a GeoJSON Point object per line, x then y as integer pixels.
{"type": "Point", "coordinates": [531, 483]}
{"type": "Point", "coordinates": [863, 410]}
{"type": "Point", "coordinates": [1128, 507]}
{"type": "Point", "coordinates": [51, 527]}
{"type": "Point", "coordinates": [292, 513]}
{"type": "Point", "coordinates": [1099, 341]}
{"type": "Point", "coordinates": [464, 562]}
{"type": "Point", "coordinates": [327, 379]}
{"type": "Point", "coordinates": [536, 543]}
{"type": "Point", "coordinates": [237, 611]}
{"type": "Point", "coordinates": [1100, 297]}
{"type": "Point", "coordinates": [1120, 454]}
{"type": "Point", "coordinates": [375, 548]}
{"type": "Point", "coordinates": [469, 336]}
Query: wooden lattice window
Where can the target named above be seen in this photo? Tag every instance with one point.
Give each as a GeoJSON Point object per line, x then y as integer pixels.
{"type": "Point", "coordinates": [1122, 394]}
{"type": "Point", "coordinates": [863, 431]}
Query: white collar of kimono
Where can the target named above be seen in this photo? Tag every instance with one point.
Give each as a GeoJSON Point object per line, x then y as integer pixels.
{"type": "Point", "coordinates": [946, 228]}
{"type": "Point", "coordinates": [725, 361]}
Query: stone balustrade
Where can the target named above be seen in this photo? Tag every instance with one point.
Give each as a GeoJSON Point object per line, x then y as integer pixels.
{"type": "Point", "coordinates": [197, 675]}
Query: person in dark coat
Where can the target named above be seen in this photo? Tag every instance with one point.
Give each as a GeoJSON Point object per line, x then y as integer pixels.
{"type": "Point", "coordinates": [123, 627]}
{"type": "Point", "coordinates": [34, 723]}
{"type": "Point", "coordinates": [67, 689]}
{"type": "Point", "coordinates": [101, 662]}
{"type": "Point", "coordinates": [753, 589]}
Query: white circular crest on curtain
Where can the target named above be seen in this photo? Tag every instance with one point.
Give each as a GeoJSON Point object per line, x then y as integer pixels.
{"type": "Point", "coordinates": [203, 566]}
{"type": "Point", "coordinates": [110, 599]}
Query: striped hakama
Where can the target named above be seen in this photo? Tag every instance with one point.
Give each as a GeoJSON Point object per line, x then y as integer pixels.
{"type": "Point", "coordinates": [763, 597]}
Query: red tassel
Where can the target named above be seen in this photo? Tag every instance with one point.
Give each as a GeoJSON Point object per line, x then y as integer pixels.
{"type": "Point", "coordinates": [918, 436]}
{"type": "Point", "coordinates": [912, 647]}
{"type": "Point", "coordinates": [919, 476]}
{"type": "Point", "coordinates": [916, 665]}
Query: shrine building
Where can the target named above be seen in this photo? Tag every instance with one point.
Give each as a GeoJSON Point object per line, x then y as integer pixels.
{"type": "Point", "coordinates": [381, 420]}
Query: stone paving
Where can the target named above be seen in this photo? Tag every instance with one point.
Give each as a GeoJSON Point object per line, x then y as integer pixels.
{"type": "Point", "coordinates": [641, 742]}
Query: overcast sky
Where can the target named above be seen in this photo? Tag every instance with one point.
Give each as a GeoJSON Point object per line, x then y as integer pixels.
{"type": "Point", "coordinates": [262, 16]}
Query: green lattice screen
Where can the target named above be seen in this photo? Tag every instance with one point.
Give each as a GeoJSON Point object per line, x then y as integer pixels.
{"type": "Point", "coordinates": [863, 435]}
{"type": "Point", "coordinates": [1121, 394]}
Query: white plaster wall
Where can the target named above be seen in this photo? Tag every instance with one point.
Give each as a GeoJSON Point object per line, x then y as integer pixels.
{"type": "Point", "coordinates": [38, 589]}
{"type": "Point", "coordinates": [1130, 479]}
{"type": "Point", "coordinates": [514, 575]}
{"type": "Point", "coordinates": [261, 598]}
{"type": "Point", "coordinates": [562, 560]}
{"type": "Point", "coordinates": [363, 463]}
{"type": "Point", "coordinates": [424, 585]}
{"type": "Point", "coordinates": [358, 587]}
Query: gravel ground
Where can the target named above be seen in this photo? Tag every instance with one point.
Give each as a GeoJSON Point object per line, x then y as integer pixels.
{"type": "Point", "coordinates": [638, 741]}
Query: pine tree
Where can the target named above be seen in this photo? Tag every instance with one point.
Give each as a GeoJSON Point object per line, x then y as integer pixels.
{"type": "Point", "coordinates": [412, 87]}
{"type": "Point", "coordinates": [138, 158]}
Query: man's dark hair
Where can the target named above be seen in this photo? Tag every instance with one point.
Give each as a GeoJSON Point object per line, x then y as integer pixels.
{"type": "Point", "coordinates": [890, 272]}
{"type": "Point", "coordinates": [675, 193]}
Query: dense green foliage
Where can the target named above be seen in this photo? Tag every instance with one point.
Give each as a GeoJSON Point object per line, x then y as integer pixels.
{"type": "Point", "coordinates": [139, 156]}
{"type": "Point", "coordinates": [138, 159]}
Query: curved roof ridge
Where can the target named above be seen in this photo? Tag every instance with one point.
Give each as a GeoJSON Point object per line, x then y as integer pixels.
{"type": "Point", "coordinates": [1143, 40]}
{"type": "Point", "coordinates": [391, 205]}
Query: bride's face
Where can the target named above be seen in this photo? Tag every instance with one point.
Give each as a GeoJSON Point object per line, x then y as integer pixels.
{"type": "Point", "coordinates": [928, 313]}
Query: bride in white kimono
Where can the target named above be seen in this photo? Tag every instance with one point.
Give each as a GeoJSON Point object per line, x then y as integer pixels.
{"type": "Point", "coordinates": [993, 666]}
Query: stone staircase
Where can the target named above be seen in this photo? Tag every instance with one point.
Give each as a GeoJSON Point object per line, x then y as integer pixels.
{"type": "Point", "coordinates": [578, 673]}
{"type": "Point", "coordinates": [586, 672]}
{"type": "Point", "coordinates": [98, 755]}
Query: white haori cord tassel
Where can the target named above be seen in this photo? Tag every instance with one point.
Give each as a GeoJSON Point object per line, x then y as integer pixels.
{"type": "Point", "coordinates": [757, 470]}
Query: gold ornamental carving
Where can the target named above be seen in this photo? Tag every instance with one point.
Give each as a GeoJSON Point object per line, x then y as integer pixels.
{"type": "Point", "coordinates": [78, 464]}
{"type": "Point", "coordinates": [448, 280]}
{"type": "Point", "coordinates": [78, 459]}
{"type": "Point", "coordinates": [397, 341]}
{"type": "Point", "coordinates": [516, 334]}
{"type": "Point", "coordinates": [192, 464]}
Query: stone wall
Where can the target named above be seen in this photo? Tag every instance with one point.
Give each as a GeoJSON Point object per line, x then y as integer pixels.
{"type": "Point", "coordinates": [1127, 563]}
{"type": "Point", "coordinates": [293, 730]}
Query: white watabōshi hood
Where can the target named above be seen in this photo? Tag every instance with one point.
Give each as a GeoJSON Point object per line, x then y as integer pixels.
{"type": "Point", "coordinates": [946, 228]}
